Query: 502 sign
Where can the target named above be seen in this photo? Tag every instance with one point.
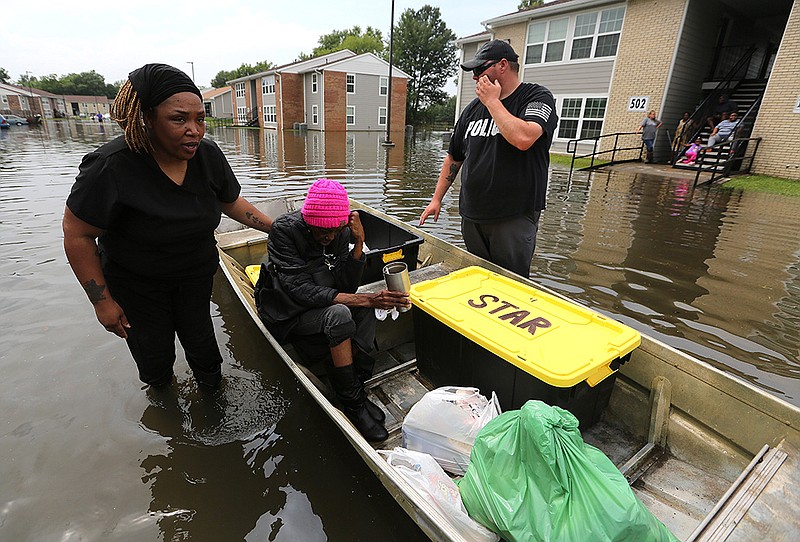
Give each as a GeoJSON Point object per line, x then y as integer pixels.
{"type": "Point", "coordinates": [638, 103]}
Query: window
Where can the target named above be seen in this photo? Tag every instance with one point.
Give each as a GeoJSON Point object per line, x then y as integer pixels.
{"type": "Point", "coordinates": [268, 84]}
{"type": "Point", "coordinates": [585, 25]}
{"type": "Point", "coordinates": [548, 38]}
{"type": "Point", "coordinates": [581, 115]}
{"type": "Point", "coordinates": [605, 28]}
{"type": "Point", "coordinates": [314, 82]}
{"type": "Point", "coordinates": [240, 90]}
{"type": "Point", "coordinates": [382, 116]}
{"type": "Point", "coordinates": [351, 83]}
{"type": "Point", "coordinates": [350, 115]}
{"type": "Point", "coordinates": [570, 117]}
{"type": "Point", "coordinates": [241, 115]}
{"type": "Point", "coordinates": [384, 86]}
{"type": "Point", "coordinates": [314, 114]}
{"type": "Point", "coordinates": [270, 114]}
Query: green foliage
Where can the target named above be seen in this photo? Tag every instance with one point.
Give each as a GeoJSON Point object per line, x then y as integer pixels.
{"type": "Point", "coordinates": [222, 76]}
{"type": "Point", "coordinates": [4, 77]}
{"type": "Point", "coordinates": [527, 4]}
{"type": "Point", "coordinates": [424, 48]}
{"type": "Point", "coordinates": [441, 114]}
{"type": "Point", "coordinates": [369, 41]}
{"type": "Point", "coordinates": [88, 83]}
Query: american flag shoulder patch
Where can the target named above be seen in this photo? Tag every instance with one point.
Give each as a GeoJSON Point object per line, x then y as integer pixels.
{"type": "Point", "coordinates": [538, 109]}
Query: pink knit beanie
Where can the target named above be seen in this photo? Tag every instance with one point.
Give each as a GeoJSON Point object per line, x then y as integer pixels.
{"type": "Point", "coordinates": [326, 205]}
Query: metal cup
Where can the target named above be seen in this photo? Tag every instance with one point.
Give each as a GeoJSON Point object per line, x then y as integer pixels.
{"type": "Point", "coordinates": [396, 276]}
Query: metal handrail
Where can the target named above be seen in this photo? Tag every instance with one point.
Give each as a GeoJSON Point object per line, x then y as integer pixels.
{"type": "Point", "coordinates": [572, 148]}
{"type": "Point", "coordinates": [699, 115]}
{"type": "Point", "coordinates": [738, 147]}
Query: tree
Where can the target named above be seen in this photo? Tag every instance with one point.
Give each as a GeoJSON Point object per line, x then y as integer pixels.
{"type": "Point", "coordinates": [369, 41]}
{"type": "Point", "coordinates": [244, 70]}
{"type": "Point", "coordinates": [527, 4]}
{"type": "Point", "coordinates": [4, 77]}
{"type": "Point", "coordinates": [443, 113]}
{"type": "Point", "coordinates": [88, 83]}
{"type": "Point", "coordinates": [424, 48]}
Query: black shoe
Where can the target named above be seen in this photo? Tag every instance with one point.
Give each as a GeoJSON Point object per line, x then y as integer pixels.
{"type": "Point", "coordinates": [375, 411]}
{"type": "Point", "coordinates": [350, 393]}
{"type": "Point", "coordinates": [370, 429]}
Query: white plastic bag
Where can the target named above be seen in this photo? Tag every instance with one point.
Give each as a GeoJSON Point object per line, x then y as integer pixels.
{"type": "Point", "coordinates": [429, 480]}
{"type": "Point", "coordinates": [445, 422]}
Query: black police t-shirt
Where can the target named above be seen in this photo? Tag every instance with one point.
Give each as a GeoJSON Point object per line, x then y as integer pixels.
{"type": "Point", "coordinates": [153, 227]}
{"type": "Point", "coordinates": [499, 181]}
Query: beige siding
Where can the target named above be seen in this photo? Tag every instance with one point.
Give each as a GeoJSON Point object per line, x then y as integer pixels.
{"type": "Point", "coordinates": [572, 78]}
{"type": "Point", "coordinates": [779, 153]}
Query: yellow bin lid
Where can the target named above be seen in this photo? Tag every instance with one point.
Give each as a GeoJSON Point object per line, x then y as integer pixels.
{"type": "Point", "coordinates": [557, 341]}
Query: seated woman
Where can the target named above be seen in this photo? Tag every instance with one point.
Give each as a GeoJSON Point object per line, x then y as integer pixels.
{"type": "Point", "coordinates": [307, 287]}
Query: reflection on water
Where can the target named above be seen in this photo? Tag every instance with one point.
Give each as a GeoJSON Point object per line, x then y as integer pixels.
{"type": "Point", "coordinates": [88, 454]}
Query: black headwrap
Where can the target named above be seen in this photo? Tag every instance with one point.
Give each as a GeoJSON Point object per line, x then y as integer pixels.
{"type": "Point", "coordinates": [154, 83]}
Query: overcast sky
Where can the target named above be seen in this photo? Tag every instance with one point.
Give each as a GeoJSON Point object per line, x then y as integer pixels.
{"type": "Point", "coordinates": [114, 38]}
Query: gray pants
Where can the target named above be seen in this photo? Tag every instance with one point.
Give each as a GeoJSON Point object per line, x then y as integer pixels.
{"type": "Point", "coordinates": [338, 323]}
{"type": "Point", "coordinates": [716, 138]}
{"type": "Point", "coordinates": [508, 243]}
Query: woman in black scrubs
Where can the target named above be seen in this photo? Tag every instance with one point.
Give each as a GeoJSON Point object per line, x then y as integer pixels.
{"type": "Point", "coordinates": [139, 225]}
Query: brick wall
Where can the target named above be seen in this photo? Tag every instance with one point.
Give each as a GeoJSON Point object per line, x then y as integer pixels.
{"type": "Point", "coordinates": [779, 152]}
{"type": "Point", "coordinates": [516, 35]}
{"type": "Point", "coordinates": [399, 95]}
{"type": "Point", "coordinates": [645, 53]}
{"type": "Point", "coordinates": [335, 101]}
{"type": "Point", "coordinates": [289, 101]}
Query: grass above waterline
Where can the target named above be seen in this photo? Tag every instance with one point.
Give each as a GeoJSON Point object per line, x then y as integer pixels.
{"type": "Point", "coordinates": [762, 183]}
{"type": "Point", "coordinates": [566, 160]}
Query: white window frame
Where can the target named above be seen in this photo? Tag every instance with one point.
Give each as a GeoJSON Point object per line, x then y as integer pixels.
{"type": "Point", "coordinates": [381, 116]}
{"type": "Point", "coordinates": [241, 114]}
{"type": "Point", "coordinates": [545, 36]}
{"type": "Point", "coordinates": [351, 87]}
{"type": "Point", "coordinates": [315, 114]}
{"type": "Point", "coordinates": [383, 86]}
{"type": "Point", "coordinates": [348, 115]}
{"type": "Point", "coordinates": [268, 84]}
{"type": "Point", "coordinates": [240, 90]}
{"type": "Point", "coordinates": [555, 34]}
{"type": "Point", "coordinates": [314, 82]}
{"type": "Point", "coordinates": [582, 120]}
{"type": "Point", "coordinates": [270, 114]}
{"type": "Point", "coordinates": [603, 27]}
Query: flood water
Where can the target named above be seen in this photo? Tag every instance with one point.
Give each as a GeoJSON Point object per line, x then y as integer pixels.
{"type": "Point", "coordinates": [88, 454]}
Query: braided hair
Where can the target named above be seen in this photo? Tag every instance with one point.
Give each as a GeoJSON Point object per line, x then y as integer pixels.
{"type": "Point", "coordinates": [127, 110]}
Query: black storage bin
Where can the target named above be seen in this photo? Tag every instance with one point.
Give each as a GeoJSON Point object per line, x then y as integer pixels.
{"type": "Point", "coordinates": [386, 242]}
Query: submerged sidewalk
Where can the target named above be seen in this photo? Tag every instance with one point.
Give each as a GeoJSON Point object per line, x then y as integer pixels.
{"type": "Point", "coordinates": [660, 170]}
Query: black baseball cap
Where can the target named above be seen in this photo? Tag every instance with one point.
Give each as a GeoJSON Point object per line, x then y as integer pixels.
{"type": "Point", "coordinates": [491, 50]}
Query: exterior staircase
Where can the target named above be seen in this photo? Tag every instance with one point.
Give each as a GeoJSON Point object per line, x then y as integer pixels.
{"type": "Point", "coordinates": [747, 95]}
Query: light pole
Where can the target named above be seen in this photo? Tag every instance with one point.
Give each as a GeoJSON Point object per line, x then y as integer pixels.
{"type": "Point", "coordinates": [388, 141]}
{"type": "Point", "coordinates": [192, 63]}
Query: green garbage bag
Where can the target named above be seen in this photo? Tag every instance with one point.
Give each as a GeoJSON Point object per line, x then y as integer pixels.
{"type": "Point", "coordinates": [532, 478]}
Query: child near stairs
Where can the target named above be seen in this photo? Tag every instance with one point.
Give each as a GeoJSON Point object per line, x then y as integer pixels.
{"type": "Point", "coordinates": [691, 152]}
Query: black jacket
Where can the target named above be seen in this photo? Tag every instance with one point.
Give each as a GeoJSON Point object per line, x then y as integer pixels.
{"type": "Point", "coordinates": [300, 274]}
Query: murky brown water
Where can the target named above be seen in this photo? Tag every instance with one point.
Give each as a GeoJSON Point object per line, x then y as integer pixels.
{"type": "Point", "coordinates": [88, 455]}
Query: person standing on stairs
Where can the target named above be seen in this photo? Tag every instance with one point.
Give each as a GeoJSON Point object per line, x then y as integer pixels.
{"type": "Point", "coordinates": [648, 129]}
